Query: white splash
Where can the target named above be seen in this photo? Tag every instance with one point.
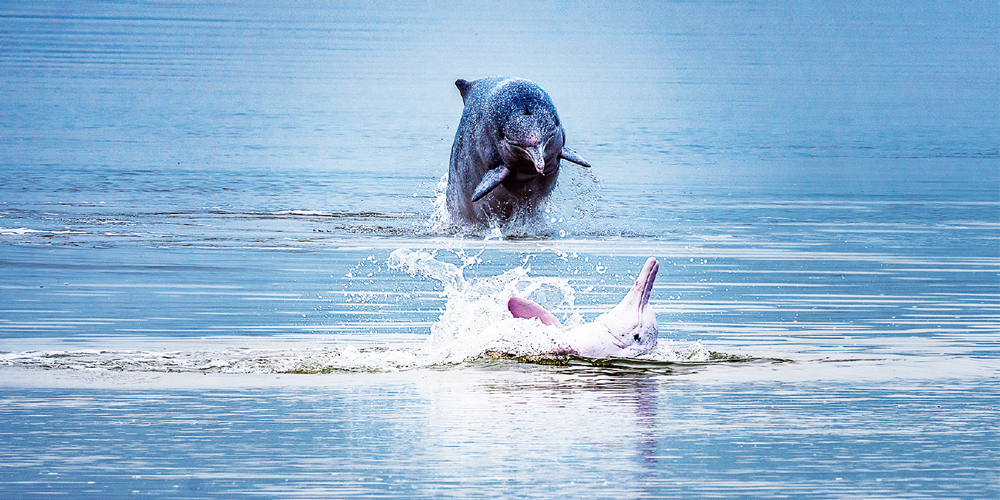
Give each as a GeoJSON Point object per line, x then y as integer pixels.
{"type": "Point", "coordinates": [441, 218]}
{"type": "Point", "coordinates": [476, 320]}
{"type": "Point", "coordinates": [570, 209]}
{"type": "Point", "coordinates": [667, 352]}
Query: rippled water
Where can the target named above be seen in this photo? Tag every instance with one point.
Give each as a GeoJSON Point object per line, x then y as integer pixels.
{"type": "Point", "coordinates": [198, 205]}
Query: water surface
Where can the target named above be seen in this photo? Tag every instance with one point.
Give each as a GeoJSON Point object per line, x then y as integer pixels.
{"type": "Point", "coordinates": [198, 205]}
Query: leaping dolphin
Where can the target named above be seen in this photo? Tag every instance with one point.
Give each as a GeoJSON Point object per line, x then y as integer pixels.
{"type": "Point", "coordinates": [507, 150]}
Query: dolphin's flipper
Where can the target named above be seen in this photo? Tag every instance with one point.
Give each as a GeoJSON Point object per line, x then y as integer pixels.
{"type": "Point", "coordinates": [492, 179]}
{"type": "Point", "coordinates": [524, 308]}
{"type": "Point", "coordinates": [569, 154]}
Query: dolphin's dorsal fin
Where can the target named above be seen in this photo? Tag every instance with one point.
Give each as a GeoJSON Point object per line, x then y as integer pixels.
{"type": "Point", "coordinates": [524, 308]}
{"type": "Point", "coordinates": [571, 155]}
{"type": "Point", "coordinates": [464, 86]}
{"type": "Point", "coordinates": [492, 179]}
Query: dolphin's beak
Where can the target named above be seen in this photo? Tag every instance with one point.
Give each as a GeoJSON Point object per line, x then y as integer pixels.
{"type": "Point", "coordinates": [644, 282]}
{"type": "Point", "coordinates": [535, 152]}
{"type": "Point", "coordinates": [637, 299]}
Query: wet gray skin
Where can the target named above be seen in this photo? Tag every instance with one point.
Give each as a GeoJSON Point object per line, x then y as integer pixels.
{"type": "Point", "coordinates": [505, 159]}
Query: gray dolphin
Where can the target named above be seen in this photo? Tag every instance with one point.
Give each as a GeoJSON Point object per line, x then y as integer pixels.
{"type": "Point", "coordinates": [505, 159]}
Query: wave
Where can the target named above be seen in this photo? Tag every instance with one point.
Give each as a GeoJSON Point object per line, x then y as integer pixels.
{"type": "Point", "coordinates": [573, 209]}
{"type": "Point", "coordinates": [474, 326]}
{"type": "Point", "coordinates": [349, 359]}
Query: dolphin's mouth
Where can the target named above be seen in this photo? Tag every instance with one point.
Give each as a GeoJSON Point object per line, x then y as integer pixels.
{"type": "Point", "coordinates": [537, 158]}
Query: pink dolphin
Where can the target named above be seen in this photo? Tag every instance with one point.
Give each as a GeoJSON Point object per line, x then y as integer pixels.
{"type": "Point", "coordinates": [628, 330]}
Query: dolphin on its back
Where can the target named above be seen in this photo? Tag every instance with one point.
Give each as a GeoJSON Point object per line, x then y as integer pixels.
{"type": "Point", "coordinates": [505, 159]}
{"type": "Point", "coordinates": [627, 330]}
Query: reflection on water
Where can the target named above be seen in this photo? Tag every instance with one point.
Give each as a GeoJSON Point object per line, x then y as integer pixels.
{"type": "Point", "coordinates": [509, 431]}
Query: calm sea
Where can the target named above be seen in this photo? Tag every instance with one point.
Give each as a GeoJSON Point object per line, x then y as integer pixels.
{"type": "Point", "coordinates": [222, 272]}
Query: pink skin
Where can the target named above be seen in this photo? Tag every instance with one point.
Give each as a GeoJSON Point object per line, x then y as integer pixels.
{"type": "Point", "coordinates": [524, 308]}
{"type": "Point", "coordinates": [628, 330]}
{"type": "Point", "coordinates": [529, 147]}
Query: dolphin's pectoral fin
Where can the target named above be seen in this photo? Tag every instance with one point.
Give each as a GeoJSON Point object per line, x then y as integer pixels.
{"type": "Point", "coordinates": [524, 308]}
{"type": "Point", "coordinates": [463, 87]}
{"type": "Point", "coordinates": [492, 179]}
{"type": "Point", "coordinates": [570, 155]}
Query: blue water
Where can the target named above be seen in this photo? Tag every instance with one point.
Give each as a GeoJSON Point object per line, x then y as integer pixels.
{"type": "Point", "coordinates": [198, 204]}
